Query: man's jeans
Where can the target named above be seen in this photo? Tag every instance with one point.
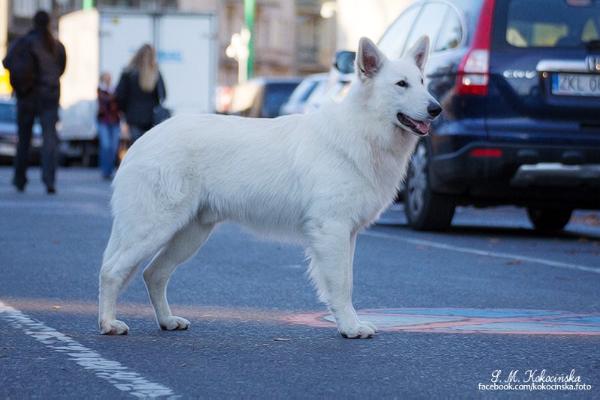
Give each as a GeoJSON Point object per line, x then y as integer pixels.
{"type": "Point", "coordinates": [108, 135]}
{"type": "Point", "coordinates": [48, 117]}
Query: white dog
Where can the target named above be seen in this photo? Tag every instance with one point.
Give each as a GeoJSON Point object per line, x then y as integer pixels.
{"type": "Point", "coordinates": [317, 179]}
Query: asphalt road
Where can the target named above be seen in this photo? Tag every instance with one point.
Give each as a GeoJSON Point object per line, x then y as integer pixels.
{"type": "Point", "coordinates": [453, 307]}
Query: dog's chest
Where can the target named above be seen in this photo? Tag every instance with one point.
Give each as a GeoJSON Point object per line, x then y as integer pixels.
{"type": "Point", "coordinates": [387, 173]}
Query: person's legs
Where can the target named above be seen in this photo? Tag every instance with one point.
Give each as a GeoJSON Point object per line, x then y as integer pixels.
{"type": "Point", "coordinates": [25, 117]}
{"type": "Point", "coordinates": [48, 118]}
{"type": "Point", "coordinates": [104, 137]}
{"type": "Point", "coordinates": [115, 132]}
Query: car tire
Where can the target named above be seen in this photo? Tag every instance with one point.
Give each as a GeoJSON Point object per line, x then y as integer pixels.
{"type": "Point", "coordinates": [424, 209]}
{"type": "Point", "coordinates": [64, 161]}
{"type": "Point", "coordinates": [549, 219]}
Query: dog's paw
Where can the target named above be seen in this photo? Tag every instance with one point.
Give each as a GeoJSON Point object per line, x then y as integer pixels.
{"type": "Point", "coordinates": [174, 323]}
{"type": "Point", "coordinates": [361, 330]}
{"type": "Point", "coordinates": [370, 324]}
{"type": "Point", "coordinates": [114, 327]}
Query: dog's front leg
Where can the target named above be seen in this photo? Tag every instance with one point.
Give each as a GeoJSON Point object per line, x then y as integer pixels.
{"type": "Point", "coordinates": [332, 253]}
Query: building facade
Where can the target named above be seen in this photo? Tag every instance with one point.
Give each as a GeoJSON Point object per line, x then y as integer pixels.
{"type": "Point", "coordinates": [291, 37]}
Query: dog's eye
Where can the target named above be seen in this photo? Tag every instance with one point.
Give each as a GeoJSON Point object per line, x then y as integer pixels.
{"type": "Point", "coordinates": [422, 81]}
{"type": "Point", "coordinates": [402, 83]}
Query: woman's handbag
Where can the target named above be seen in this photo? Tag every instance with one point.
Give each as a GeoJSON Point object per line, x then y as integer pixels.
{"type": "Point", "coordinates": [160, 112]}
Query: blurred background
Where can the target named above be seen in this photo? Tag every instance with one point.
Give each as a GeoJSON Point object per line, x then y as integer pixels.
{"type": "Point", "coordinates": [520, 88]}
{"type": "Point", "coordinates": [204, 50]}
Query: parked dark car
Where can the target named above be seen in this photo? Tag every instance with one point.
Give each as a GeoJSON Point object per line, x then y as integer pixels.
{"type": "Point", "coordinates": [519, 81]}
{"type": "Point", "coordinates": [9, 136]}
{"type": "Point", "coordinates": [296, 104]}
{"type": "Point", "coordinates": [262, 97]}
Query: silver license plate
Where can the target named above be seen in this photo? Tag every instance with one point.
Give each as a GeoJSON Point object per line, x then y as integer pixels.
{"type": "Point", "coordinates": [576, 85]}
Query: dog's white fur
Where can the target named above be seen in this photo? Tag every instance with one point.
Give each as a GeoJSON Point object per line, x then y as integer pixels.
{"type": "Point", "coordinates": [317, 179]}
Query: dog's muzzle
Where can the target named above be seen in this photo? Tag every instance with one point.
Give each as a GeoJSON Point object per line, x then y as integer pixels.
{"type": "Point", "coordinates": [420, 128]}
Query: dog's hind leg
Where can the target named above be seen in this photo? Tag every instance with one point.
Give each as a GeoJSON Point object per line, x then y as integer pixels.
{"type": "Point", "coordinates": [120, 262]}
{"type": "Point", "coordinates": [332, 251]}
{"type": "Point", "coordinates": [180, 248]}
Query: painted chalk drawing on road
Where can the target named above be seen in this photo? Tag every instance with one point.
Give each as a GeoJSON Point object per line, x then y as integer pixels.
{"type": "Point", "coordinates": [468, 320]}
{"type": "Point", "coordinates": [433, 320]}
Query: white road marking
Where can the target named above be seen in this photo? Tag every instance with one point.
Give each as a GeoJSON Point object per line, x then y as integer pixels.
{"type": "Point", "coordinates": [114, 372]}
{"type": "Point", "coordinates": [294, 266]}
{"type": "Point", "coordinates": [469, 250]}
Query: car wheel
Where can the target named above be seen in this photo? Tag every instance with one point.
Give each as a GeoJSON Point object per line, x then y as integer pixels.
{"type": "Point", "coordinates": [64, 161]}
{"type": "Point", "coordinates": [424, 209]}
{"type": "Point", "coordinates": [549, 219]}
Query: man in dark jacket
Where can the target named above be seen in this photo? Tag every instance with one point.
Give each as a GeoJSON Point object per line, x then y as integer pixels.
{"type": "Point", "coordinates": [35, 62]}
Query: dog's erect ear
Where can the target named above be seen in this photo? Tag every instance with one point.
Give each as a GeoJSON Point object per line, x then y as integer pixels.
{"type": "Point", "coordinates": [369, 59]}
{"type": "Point", "coordinates": [420, 51]}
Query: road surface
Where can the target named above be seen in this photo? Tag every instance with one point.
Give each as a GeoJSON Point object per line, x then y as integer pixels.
{"type": "Point", "coordinates": [454, 308]}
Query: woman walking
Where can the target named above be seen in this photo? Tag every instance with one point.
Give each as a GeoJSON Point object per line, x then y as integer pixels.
{"type": "Point", "coordinates": [140, 90]}
{"type": "Point", "coordinates": [109, 132]}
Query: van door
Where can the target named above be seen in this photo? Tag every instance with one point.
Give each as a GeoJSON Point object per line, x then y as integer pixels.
{"type": "Point", "coordinates": [121, 35]}
{"type": "Point", "coordinates": [187, 61]}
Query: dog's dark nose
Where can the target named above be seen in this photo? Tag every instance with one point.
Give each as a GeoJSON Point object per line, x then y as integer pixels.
{"type": "Point", "coordinates": [434, 109]}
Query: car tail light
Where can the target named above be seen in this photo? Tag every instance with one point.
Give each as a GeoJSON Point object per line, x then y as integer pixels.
{"type": "Point", "coordinates": [486, 153]}
{"type": "Point", "coordinates": [473, 71]}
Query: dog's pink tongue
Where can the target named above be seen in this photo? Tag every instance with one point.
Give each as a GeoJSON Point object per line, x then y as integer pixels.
{"type": "Point", "coordinates": [422, 126]}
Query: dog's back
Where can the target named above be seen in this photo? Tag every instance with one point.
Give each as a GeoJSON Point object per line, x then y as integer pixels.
{"type": "Point", "coordinates": [248, 170]}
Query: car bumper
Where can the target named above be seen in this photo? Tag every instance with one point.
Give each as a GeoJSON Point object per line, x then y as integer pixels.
{"type": "Point", "coordinates": [8, 149]}
{"type": "Point", "coordinates": [484, 172]}
{"type": "Point", "coordinates": [556, 174]}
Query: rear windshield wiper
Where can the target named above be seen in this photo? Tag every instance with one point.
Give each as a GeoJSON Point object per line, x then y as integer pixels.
{"type": "Point", "coordinates": [593, 44]}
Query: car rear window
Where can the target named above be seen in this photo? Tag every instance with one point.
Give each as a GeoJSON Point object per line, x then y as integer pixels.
{"type": "Point", "coordinates": [393, 41]}
{"type": "Point", "coordinates": [552, 23]}
{"type": "Point", "coordinates": [303, 91]}
{"type": "Point", "coordinates": [275, 95]}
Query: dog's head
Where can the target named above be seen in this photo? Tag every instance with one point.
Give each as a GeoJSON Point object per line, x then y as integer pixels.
{"type": "Point", "coordinates": [397, 86]}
